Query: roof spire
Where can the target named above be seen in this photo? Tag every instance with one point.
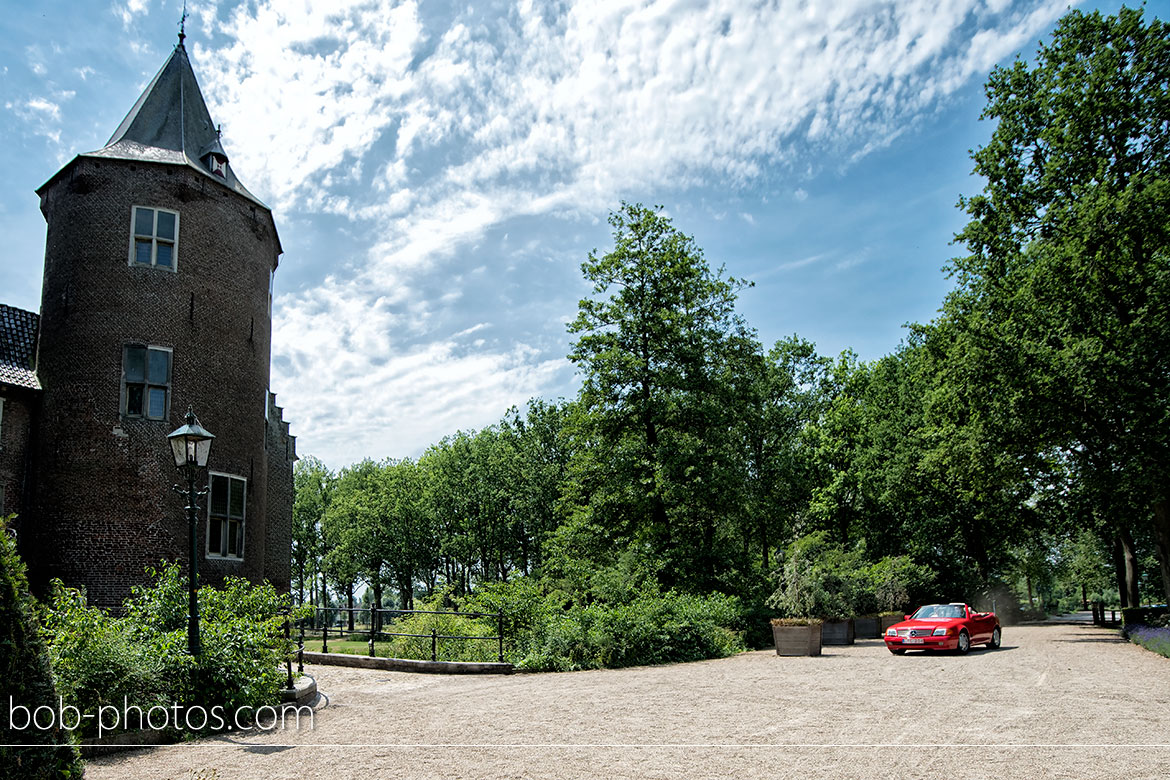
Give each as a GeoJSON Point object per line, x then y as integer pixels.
{"type": "Point", "coordinates": [183, 23]}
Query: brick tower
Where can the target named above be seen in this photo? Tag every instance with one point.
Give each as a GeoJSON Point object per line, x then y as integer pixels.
{"type": "Point", "coordinates": [156, 297]}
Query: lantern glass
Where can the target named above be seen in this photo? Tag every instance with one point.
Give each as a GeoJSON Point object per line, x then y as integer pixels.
{"type": "Point", "coordinates": [202, 449]}
{"type": "Point", "coordinates": [179, 448]}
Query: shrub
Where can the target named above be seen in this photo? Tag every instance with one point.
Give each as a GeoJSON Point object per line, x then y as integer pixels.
{"type": "Point", "coordinates": [889, 585]}
{"type": "Point", "coordinates": [97, 660]}
{"type": "Point", "coordinates": [26, 676]}
{"type": "Point", "coordinates": [450, 625]}
{"type": "Point", "coordinates": [818, 579]}
{"type": "Point", "coordinates": [143, 656]}
{"type": "Point", "coordinates": [652, 629]}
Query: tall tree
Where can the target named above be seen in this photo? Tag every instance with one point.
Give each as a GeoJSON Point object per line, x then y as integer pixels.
{"type": "Point", "coordinates": [1064, 298]}
{"type": "Point", "coordinates": [313, 483]}
{"type": "Point", "coordinates": [661, 351]}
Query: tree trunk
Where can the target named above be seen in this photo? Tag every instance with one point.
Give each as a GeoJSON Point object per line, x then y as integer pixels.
{"type": "Point", "coordinates": [1119, 571]}
{"type": "Point", "coordinates": [1084, 597]}
{"type": "Point", "coordinates": [1031, 600]}
{"type": "Point", "coordinates": [375, 616]}
{"type": "Point", "coordinates": [349, 603]}
{"type": "Point", "coordinates": [301, 589]}
{"type": "Point", "coordinates": [1133, 596]}
{"type": "Point", "coordinates": [1162, 526]}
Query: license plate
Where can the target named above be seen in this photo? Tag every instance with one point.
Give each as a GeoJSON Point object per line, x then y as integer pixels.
{"type": "Point", "coordinates": [910, 641]}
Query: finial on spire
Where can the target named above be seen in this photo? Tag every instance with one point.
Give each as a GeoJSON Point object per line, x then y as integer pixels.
{"type": "Point", "coordinates": [219, 130]}
{"type": "Point", "coordinates": [183, 23]}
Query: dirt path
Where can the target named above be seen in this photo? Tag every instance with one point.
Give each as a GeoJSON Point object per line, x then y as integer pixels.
{"type": "Point", "coordinates": [1055, 702]}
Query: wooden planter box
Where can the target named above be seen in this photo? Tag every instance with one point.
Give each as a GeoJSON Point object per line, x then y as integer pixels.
{"type": "Point", "coordinates": [887, 621]}
{"type": "Point", "coordinates": [797, 640]}
{"type": "Point", "coordinates": [867, 627]}
{"type": "Point", "coordinates": [837, 632]}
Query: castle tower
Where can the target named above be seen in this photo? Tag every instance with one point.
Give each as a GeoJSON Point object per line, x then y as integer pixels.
{"type": "Point", "coordinates": [156, 297]}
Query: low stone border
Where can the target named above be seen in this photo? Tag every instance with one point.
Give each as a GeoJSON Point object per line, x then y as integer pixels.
{"type": "Point", "coordinates": [304, 690]}
{"type": "Point", "coordinates": [407, 665]}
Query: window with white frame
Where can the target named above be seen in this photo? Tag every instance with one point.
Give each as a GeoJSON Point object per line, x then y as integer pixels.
{"type": "Point", "coordinates": [154, 237]}
{"type": "Point", "coordinates": [146, 381]}
{"type": "Point", "coordinates": [227, 498]}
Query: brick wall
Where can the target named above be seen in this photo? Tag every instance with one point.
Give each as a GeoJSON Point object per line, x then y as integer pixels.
{"type": "Point", "coordinates": [282, 454]}
{"type": "Point", "coordinates": [104, 504]}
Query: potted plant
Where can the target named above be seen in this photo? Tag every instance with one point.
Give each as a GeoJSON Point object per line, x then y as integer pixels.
{"type": "Point", "coordinates": [815, 587]}
{"type": "Point", "coordinates": [797, 636]}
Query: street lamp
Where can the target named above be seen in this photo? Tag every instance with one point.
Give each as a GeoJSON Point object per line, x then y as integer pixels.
{"type": "Point", "coordinates": [191, 444]}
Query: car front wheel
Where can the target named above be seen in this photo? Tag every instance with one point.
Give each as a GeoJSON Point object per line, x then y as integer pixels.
{"type": "Point", "coordinates": [996, 637]}
{"type": "Point", "coordinates": [897, 650]}
{"type": "Point", "coordinates": [964, 645]}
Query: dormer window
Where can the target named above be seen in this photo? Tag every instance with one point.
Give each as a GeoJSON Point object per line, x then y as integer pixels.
{"type": "Point", "coordinates": [155, 237]}
{"type": "Point", "coordinates": [217, 164]}
{"type": "Point", "coordinates": [214, 157]}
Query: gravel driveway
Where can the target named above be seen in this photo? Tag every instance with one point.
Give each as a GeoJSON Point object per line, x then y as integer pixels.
{"type": "Point", "coordinates": [1055, 701]}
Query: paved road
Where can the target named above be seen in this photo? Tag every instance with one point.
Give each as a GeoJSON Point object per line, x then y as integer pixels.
{"type": "Point", "coordinates": [1056, 701]}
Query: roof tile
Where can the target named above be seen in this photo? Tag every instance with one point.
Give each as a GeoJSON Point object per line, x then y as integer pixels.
{"type": "Point", "coordinates": [18, 346]}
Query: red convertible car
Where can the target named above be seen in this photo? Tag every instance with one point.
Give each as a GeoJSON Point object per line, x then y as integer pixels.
{"type": "Point", "coordinates": [944, 627]}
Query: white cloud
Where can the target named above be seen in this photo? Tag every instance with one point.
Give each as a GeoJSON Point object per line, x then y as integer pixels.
{"type": "Point", "coordinates": [131, 12]}
{"type": "Point", "coordinates": [429, 134]}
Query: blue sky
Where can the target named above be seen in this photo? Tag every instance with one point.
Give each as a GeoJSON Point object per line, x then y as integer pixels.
{"type": "Point", "coordinates": [438, 171]}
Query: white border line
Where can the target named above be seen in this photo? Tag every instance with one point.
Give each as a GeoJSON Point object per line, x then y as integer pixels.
{"type": "Point", "coordinates": [213, 743]}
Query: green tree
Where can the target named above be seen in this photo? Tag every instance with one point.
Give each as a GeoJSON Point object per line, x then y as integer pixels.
{"type": "Point", "coordinates": [356, 528]}
{"type": "Point", "coordinates": [1063, 303]}
{"type": "Point", "coordinates": [661, 351]}
{"type": "Point", "coordinates": [313, 483]}
{"type": "Point", "coordinates": [785, 400]}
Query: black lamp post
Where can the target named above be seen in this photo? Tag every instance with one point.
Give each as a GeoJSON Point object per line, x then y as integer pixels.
{"type": "Point", "coordinates": [191, 444]}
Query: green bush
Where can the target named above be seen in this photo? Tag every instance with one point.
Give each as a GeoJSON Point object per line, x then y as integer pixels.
{"type": "Point", "coordinates": [450, 625]}
{"type": "Point", "coordinates": [891, 585]}
{"type": "Point", "coordinates": [26, 679]}
{"type": "Point", "coordinates": [652, 629]}
{"type": "Point", "coordinates": [142, 658]}
{"type": "Point", "coordinates": [98, 661]}
{"type": "Point", "coordinates": [818, 580]}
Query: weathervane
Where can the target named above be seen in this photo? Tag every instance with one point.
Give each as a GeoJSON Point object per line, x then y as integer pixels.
{"type": "Point", "coordinates": [183, 23]}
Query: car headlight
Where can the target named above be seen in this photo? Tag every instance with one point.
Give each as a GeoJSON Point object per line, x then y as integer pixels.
{"type": "Point", "coordinates": [940, 632]}
{"type": "Point", "coordinates": [891, 632]}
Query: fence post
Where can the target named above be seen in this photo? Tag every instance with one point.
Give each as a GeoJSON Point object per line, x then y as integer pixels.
{"type": "Point", "coordinates": [287, 654]}
{"type": "Point", "coordinates": [434, 645]}
{"type": "Point", "coordinates": [500, 633]}
{"type": "Point", "coordinates": [372, 611]}
{"type": "Point", "coordinates": [325, 636]}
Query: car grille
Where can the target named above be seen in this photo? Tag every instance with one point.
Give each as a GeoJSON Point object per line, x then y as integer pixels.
{"type": "Point", "coordinates": [916, 632]}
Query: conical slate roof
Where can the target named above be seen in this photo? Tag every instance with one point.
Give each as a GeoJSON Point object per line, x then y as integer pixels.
{"type": "Point", "coordinates": [170, 124]}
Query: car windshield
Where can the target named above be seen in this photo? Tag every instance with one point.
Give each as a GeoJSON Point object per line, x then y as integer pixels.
{"type": "Point", "coordinates": [939, 612]}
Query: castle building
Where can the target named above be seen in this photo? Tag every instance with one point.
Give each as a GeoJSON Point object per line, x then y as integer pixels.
{"type": "Point", "coordinates": [157, 296]}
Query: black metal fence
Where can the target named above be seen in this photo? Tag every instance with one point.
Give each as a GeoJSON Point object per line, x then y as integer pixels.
{"type": "Point", "coordinates": [341, 622]}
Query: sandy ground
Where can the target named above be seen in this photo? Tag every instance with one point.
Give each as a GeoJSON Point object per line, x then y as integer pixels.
{"type": "Point", "coordinates": [1055, 701]}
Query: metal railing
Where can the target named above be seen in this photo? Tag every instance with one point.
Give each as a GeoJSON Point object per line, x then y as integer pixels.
{"type": "Point", "coordinates": [329, 620]}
